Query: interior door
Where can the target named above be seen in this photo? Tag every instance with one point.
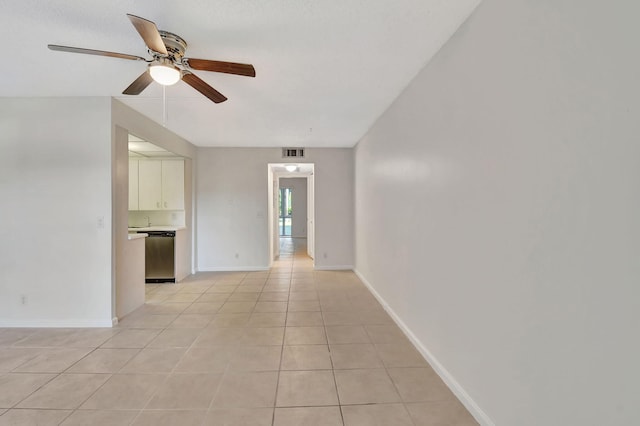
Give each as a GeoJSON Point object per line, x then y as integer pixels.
{"type": "Point", "coordinates": [310, 216]}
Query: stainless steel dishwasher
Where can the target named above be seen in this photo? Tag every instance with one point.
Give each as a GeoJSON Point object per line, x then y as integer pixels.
{"type": "Point", "coordinates": [160, 257]}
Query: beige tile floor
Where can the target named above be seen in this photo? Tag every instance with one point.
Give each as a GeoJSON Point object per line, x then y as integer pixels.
{"type": "Point", "coordinates": [289, 346]}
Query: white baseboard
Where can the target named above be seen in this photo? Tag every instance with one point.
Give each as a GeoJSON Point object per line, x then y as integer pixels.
{"type": "Point", "coordinates": [45, 323]}
{"type": "Point", "coordinates": [333, 268]}
{"type": "Point", "coordinates": [233, 268]}
{"type": "Point", "coordinates": [446, 377]}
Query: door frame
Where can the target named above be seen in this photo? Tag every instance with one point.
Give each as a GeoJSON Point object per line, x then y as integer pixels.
{"type": "Point", "coordinates": [311, 220]}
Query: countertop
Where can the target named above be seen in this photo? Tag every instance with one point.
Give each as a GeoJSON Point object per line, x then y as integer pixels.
{"type": "Point", "coordinates": [135, 236]}
{"type": "Point", "coordinates": [158, 228]}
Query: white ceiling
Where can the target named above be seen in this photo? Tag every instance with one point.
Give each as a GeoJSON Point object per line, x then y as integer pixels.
{"type": "Point", "coordinates": [302, 169]}
{"type": "Point", "coordinates": [139, 148]}
{"type": "Point", "coordinates": [325, 70]}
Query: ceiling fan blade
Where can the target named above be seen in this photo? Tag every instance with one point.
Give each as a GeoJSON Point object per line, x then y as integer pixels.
{"type": "Point", "coordinates": [202, 87]}
{"type": "Point", "coordinates": [94, 52]}
{"type": "Point", "coordinates": [220, 66]}
{"type": "Point", "coordinates": [139, 84]}
{"type": "Point", "coordinates": [149, 33]}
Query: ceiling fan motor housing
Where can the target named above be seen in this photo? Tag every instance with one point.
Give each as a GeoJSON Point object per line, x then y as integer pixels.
{"type": "Point", "coordinates": [176, 46]}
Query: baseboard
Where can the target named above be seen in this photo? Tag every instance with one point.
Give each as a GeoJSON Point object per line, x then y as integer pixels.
{"type": "Point", "coordinates": [45, 323]}
{"type": "Point", "coordinates": [446, 377]}
{"type": "Point", "coordinates": [333, 268]}
{"type": "Point", "coordinates": [233, 268]}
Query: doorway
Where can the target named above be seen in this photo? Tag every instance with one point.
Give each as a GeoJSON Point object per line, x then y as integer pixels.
{"type": "Point", "coordinates": [290, 208]}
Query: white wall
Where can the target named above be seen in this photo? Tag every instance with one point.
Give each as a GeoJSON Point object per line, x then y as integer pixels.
{"type": "Point", "coordinates": [497, 206]}
{"type": "Point", "coordinates": [130, 280]}
{"type": "Point", "coordinates": [141, 218]}
{"type": "Point", "coordinates": [298, 187]}
{"type": "Point", "coordinates": [55, 187]}
{"type": "Point", "coordinates": [232, 189]}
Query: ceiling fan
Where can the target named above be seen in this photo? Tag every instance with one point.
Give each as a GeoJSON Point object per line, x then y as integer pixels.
{"type": "Point", "coordinates": [168, 64]}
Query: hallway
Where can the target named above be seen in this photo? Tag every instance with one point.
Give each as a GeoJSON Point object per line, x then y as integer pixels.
{"type": "Point", "coordinates": [288, 346]}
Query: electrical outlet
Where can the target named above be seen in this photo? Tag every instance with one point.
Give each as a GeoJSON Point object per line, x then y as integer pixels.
{"type": "Point", "coordinates": [324, 254]}
{"type": "Point", "coordinates": [100, 222]}
{"type": "Point", "coordinates": [23, 299]}
{"type": "Point", "coordinates": [237, 255]}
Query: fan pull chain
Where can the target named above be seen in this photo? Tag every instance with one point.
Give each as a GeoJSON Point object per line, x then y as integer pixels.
{"type": "Point", "coordinates": [164, 106]}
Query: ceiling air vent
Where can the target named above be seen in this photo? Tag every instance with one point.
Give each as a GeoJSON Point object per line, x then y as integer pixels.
{"type": "Point", "coordinates": [292, 152]}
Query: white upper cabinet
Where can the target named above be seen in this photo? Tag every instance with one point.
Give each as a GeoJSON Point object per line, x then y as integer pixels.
{"type": "Point", "coordinates": [150, 185]}
{"type": "Point", "coordinates": [173, 184]}
{"type": "Point", "coordinates": [161, 185]}
{"type": "Point", "coordinates": [133, 185]}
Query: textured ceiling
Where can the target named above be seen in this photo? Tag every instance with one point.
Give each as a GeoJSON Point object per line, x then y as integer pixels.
{"type": "Point", "coordinates": [326, 70]}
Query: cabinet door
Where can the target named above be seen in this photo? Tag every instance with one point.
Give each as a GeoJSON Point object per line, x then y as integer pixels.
{"type": "Point", "coordinates": [149, 185]}
{"type": "Point", "coordinates": [173, 184]}
{"type": "Point", "coordinates": [133, 185]}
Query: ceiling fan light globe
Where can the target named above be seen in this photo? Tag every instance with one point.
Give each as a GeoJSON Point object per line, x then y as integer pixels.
{"type": "Point", "coordinates": [291, 168]}
{"type": "Point", "coordinates": [165, 75]}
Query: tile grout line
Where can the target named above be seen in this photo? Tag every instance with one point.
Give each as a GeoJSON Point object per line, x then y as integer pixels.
{"type": "Point", "coordinates": [333, 370]}
{"type": "Point", "coordinates": [286, 316]}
